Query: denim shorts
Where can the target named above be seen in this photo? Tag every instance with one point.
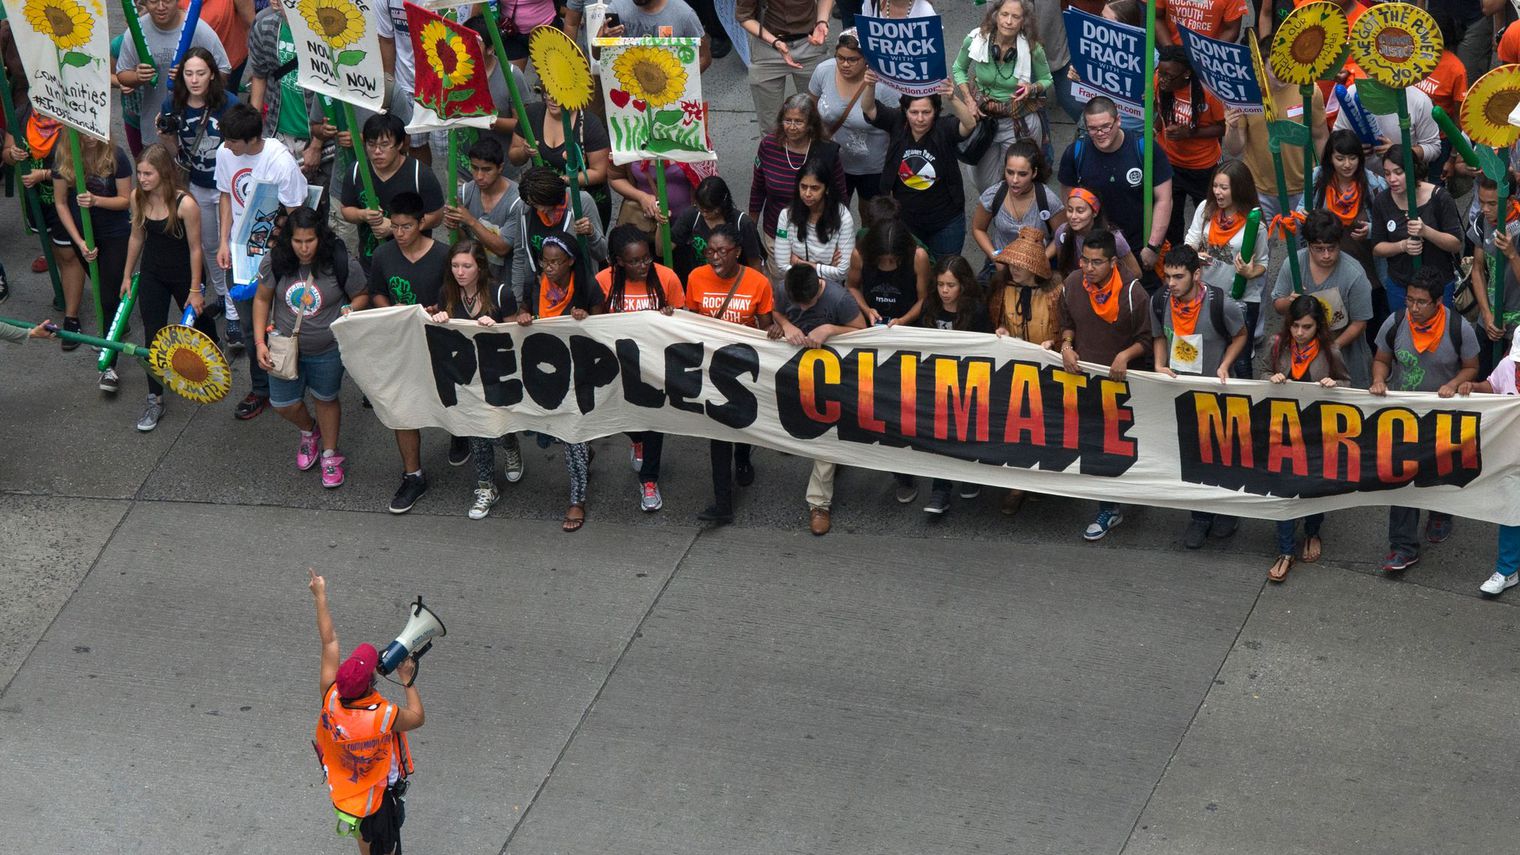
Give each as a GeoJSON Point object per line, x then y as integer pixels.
{"type": "Point", "coordinates": [321, 374]}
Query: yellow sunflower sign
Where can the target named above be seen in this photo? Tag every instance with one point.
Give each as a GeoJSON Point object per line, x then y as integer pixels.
{"type": "Point", "coordinates": [452, 88]}
{"type": "Point", "coordinates": [190, 363]}
{"type": "Point", "coordinates": [654, 100]}
{"type": "Point", "coordinates": [1397, 44]}
{"type": "Point", "coordinates": [1308, 43]}
{"type": "Point", "coordinates": [561, 66]}
{"type": "Point", "coordinates": [1486, 114]}
{"type": "Point", "coordinates": [337, 49]}
{"type": "Point", "coordinates": [65, 47]}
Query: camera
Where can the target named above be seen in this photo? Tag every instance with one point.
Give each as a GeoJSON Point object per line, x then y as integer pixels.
{"type": "Point", "coordinates": [169, 124]}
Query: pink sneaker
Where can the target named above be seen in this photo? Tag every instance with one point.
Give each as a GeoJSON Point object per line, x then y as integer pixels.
{"type": "Point", "coordinates": [332, 471]}
{"type": "Point", "coordinates": [307, 452]}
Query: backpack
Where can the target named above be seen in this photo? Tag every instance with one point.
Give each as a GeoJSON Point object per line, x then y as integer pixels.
{"type": "Point", "coordinates": [1216, 309]}
{"type": "Point", "coordinates": [1079, 148]}
{"type": "Point", "coordinates": [1453, 330]}
{"type": "Point", "coordinates": [1040, 190]}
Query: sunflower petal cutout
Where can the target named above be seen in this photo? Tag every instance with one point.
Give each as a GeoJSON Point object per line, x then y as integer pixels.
{"type": "Point", "coordinates": [337, 22]}
{"type": "Point", "coordinates": [447, 55]}
{"type": "Point", "coordinates": [1397, 44]}
{"type": "Point", "coordinates": [1490, 101]}
{"type": "Point", "coordinates": [65, 22]}
{"type": "Point", "coordinates": [1308, 42]}
{"type": "Point", "coordinates": [190, 363]}
{"type": "Point", "coordinates": [561, 66]}
{"type": "Point", "coordinates": [652, 74]}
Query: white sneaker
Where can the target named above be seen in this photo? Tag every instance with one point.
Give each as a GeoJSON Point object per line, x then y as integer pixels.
{"type": "Point", "coordinates": [514, 459]}
{"type": "Point", "coordinates": [1499, 583]}
{"type": "Point", "coordinates": [1103, 524]}
{"type": "Point", "coordinates": [485, 499]}
{"type": "Point", "coordinates": [649, 497]}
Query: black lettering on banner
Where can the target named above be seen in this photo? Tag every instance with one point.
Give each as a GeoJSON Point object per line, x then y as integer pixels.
{"type": "Point", "coordinates": [635, 390]}
{"type": "Point", "coordinates": [498, 369]}
{"type": "Point", "coordinates": [546, 369]}
{"type": "Point", "coordinates": [729, 363]}
{"type": "Point", "coordinates": [683, 375]}
{"type": "Point", "coordinates": [595, 367]}
{"type": "Point", "coordinates": [453, 357]}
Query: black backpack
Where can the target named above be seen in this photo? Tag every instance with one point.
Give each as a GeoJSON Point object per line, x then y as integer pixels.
{"type": "Point", "coordinates": [1215, 298]}
{"type": "Point", "coordinates": [1453, 330]}
{"type": "Point", "coordinates": [1039, 199]}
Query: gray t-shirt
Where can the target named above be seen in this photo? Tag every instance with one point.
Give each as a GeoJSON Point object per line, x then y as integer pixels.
{"type": "Point", "coordinates": [1414, 371]}
{"type": "Point", "coordinates": [862, 146]}
{"type": "Point", "coordinates": [834, 306]}
{"type": "Point", "coordinates": [161, 47]}
{"type": "Point", "coordinates": [1004, 228]}
{"type": "Point", "coordinates": [1214, 344]}
{"type": "Point", "coordinates": [1482, 234]}
{"type": "Point", "coordinates": [1347, 296]}
{"type": "Point", "coordinates": [498, 219]}
{"type": "Point", "coordinates": [638, 22]}
{"type": "Point", "coordinates": [318, 298]}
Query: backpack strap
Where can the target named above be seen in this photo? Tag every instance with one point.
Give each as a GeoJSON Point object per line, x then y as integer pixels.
{"type": "Point", "coordinates": [1216, 312]}
{"type": "Point", "coordinates": [1158, 306]}
{"type": "Point", "coordinates": [340, 265]}
{"type": "Point", "coordinates": [1043, 206]}
{"type": "Point", "coordinates": [1393, 330]}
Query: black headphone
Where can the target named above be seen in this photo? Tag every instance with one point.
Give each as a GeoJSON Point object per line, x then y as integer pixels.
{"type": "Point", "coordinates": [996, 52]}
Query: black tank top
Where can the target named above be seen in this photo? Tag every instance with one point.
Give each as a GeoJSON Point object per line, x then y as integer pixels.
{"type": "Point", "coordinates": [892, 293]}
{"type": "Point", "coordinates": [165, 256]}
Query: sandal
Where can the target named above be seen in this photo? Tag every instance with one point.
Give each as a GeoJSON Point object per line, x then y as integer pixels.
{"type": "Point", "coordinates": [1280, 570]}
{"type": "Point", "coordinates": [1312, 555]}
{"type": "Point", "coordinates": [574, 523]}
{"type": "Point", "coordinates": [1012, 502]}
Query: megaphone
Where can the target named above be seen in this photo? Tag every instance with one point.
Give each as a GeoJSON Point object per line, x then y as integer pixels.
{"type": "Point", "coordinates": [416, 638]}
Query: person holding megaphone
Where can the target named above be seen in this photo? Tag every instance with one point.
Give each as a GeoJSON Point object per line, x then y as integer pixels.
{"type": "Point", "coordinates": [361, 737]}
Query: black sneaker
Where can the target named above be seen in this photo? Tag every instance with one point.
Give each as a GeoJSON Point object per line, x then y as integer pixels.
{"type": "Point", "coordinates": [250, 407]}
{"type": "Point", "coordinates": [234, 337]}
{"type": "Point", "coordinates": [5, 286]}
{"type": "Point", "coordinates": [459, 450]}
{"type": "Point", "coordinates": [719, 46]}
{"type": "Point", "coordinates": [715, 514]}
{"type": "Point", "coordinates": [744, 474]}
{"type": "Point", "coordinates": [411, 489]}
{"type": "Point", "coordinates": [69, 325]}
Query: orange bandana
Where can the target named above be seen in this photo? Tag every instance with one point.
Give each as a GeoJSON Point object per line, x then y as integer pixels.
{"type": "Point", "coordinates": [1222, 230]}
{"type": "Point", "coordinates": [1427, 336]}
{"type": "Point", "coordinates": [1185, 315]}
{"type": "Point", "coordinates": [553, 219]}
{"type": "Point", "coordinates": [1303, 357]}
{"type": "Point", "coordinates": [553, 300]}
{"type": "Point", "coordinates": [41, 135]}
{"type": "Point", "coordinates": [1345, 205]}
{"type": "Point", "coordinates": [1105, 297]}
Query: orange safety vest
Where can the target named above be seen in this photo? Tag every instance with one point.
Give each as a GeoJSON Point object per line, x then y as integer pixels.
{"type": "Point", "coordinates": [355, 742]}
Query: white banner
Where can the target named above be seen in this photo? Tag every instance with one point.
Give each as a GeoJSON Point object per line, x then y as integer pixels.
{"type": "Point", "coordinates": [962, 406]}
{"type": "Point", "coordinates": [653, 92]}
{"type": "Point", "coordinates": [65, 47]}
{"type": "Point", "coordinates": [338, 49]}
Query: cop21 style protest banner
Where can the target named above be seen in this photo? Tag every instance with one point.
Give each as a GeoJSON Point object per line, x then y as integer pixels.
{"type": "Point", "coordinates": [907, 53]}
{"type": "Point", "coordinates": [65, 47]}
{"type": "Point", "coordinates": [1224, 69]}
{"type": "Point", "coordinates": [339, 49]}
{"type": "Point", "coordinates": [961, 406]}
{"type": "Point", "coordinates": [1109, 58]}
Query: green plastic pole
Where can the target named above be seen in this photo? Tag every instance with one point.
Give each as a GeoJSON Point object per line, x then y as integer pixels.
{"type": "Point", "coordinates": [1306, 92]}
{"type": "Point", "coordinates": [88, 223]}
{"type": "Point", "coordinates": [135, 350]}
{"type": "Point", "coordinates": [371, 200]}
{"type": "Point", "coordinates": [1146, 190]}
{"type": "Point", "coordinates": [1290, 238]}
{"type": "Point", "coordinates": [30, 195]}
{"type": "Point", "coordinates": [1497, 272]}
{"type": "Point", "coordinates": [1455, 137]}
{"type": "Point", "coordinates": [134, 26]}
{"type": "Point", "coordinates": [451, 174]}
{"type": "Point", "coordinates": [1247, 251]}
{"type": "Point", "coordinates": [118, 325]}
{"type": "Point", "coordinates": [523, 126]}
{"type": "Point", "coordinates": [575, 159]}
{"type": "Point", "coordinates": [659, 184]}
{"type": "Point", "coordinates": [1411, 181]}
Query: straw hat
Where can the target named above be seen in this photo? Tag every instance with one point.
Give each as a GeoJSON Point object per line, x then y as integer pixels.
{"type": "Point", "coordinates": [1027, 252]}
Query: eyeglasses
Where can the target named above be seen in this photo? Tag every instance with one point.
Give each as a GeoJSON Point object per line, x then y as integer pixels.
{"type": "Point", "coordinates": [637, 262]}
{"type": "Point", "coordinates": [1093, 262]}
{"type": "Point", "coordinates": [721, 250]}
{"type": "Point", "coordinates": [1101, 130]}
{"type": "Point", "coordinates": [1324, 248]}
{"type": "Point", "coordinates": [794, 123]}
{"type": "Point", "coordinates": [1415, 303]}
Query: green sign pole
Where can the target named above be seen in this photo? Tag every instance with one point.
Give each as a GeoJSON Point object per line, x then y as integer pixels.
{"type": "Point", "coordinates": [524, 128]}
{"type": "Point", "coordinates": [1146, 189]}
{"type": "Point", "coordinates": [88, 224]}
{"type": "Point", "coordinates": [1411, 181]}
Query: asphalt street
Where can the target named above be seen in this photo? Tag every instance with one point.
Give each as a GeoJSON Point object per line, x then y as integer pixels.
{"type": "Point", "coordinates": [972, 683]}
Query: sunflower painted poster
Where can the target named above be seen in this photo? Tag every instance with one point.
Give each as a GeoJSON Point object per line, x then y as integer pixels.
{"type": "Point", "coordinates": [452, 88]}
{"type": "Point", "coordinates": [338, 49]}
{"type": "Point", "coordinates": [654, 100]}
{"type": "Point", "coordinates": [66, 50]}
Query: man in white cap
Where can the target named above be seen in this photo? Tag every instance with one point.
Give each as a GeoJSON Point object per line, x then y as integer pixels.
{"type": "Point", "coordinates": [1503, 381]}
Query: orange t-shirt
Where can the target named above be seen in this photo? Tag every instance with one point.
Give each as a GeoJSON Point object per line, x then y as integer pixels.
{"type": "Point", "coordinates": [1447, 85]}
{"type": "Point", "coordinates": [638, 297]}
{"type": "Point", "coordinates": [1352, 13]}
{"type": "Point", "coordinates": [1509, 44]}
{"type": "Point", "coordinates": [1204, 17]}
{"type": "Point", "coordinates": [222, 17]}
{"type": "Point", "coordinates": [705, 293]}
{"type": "Point", "coordinates": [1193, 153]}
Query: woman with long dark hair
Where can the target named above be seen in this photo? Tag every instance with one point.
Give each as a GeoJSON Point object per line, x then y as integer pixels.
{"type": "Point", "coordinates": [1021, 199]}
{"type": "Point", "coordinates": [1432, 232]}
{"type": "Point", "coordinates": [1191, 121]}
{"type": "Point", "coordinates": [714, 207]}
{"type": "Point", "coordinates": [635, 282]}
{"type": "Point", "coordinates": [316, 282]}
{"type": "Point", "coordinates": [1346, 189]}
{"type": "Point", "coordinates": [166, 236]}
{"type": "Point", "coordinates": [816, 229]}
{"type": "Point", "coordinates": [191, 128]}
{"type": "Point", "coordinates": [1218, 233]}
{"type": "Point", "coordinates": [1303, 352]}
{"type": "Point", "coordinates": [954, 304]}
{"type": "Point", "coordinates": [107, 174]}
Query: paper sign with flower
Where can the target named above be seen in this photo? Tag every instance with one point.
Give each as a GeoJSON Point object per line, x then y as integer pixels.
{"type": "Point", "coordinates": [66, 48]}
{"type": "Point", "coordinates": [654, 100]}
{"type": "Point", "coordinates": [338, 49]}
{"type": "Point", "coordinates": [452, 87]}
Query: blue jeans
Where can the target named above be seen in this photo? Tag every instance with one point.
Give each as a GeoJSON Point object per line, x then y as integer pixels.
{"type": "Point", "coordinates": [950, 239]}
{"type": "Point", "coordinates": [1508, 559]}
{"type": "Point", "coordinates": [1285, 530]}
{"type": "Point", "coordinates": [321, 374]}
{"type": "Point", "coordinates": [1395, 293]}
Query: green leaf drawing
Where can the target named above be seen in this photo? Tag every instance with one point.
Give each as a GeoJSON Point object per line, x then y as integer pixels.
{"type": "Point", "coordinates": [458, 95]}
{"type": "Point", "coordinates": [1289, 133]}
{"type": "Point", "coordinates": [76, 59]}
{"type": "Point", "coordinates": [1490, 162]}
{"type": "Point", "coordinates": [350, 57]}
{"type": "Point", "coordinates": [668, 117]}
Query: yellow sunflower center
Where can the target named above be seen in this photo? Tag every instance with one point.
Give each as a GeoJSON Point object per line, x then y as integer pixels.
{"type": "Point", "coordinates": [332, 22]}
{"type": "Point", "coordinates": [1307, 46]}
{"type": "Point", "coordinates": [59, 20]}
{"type": "Point", "coordinates": [1498, 108]}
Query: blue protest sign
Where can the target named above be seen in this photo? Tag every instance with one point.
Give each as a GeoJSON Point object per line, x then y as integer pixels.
{"type": "Point", "coordinates": [908, 54]}
{"type": "Point", "coordinates": [253, 236]}
{"type": "Point", "coordinates": [1224, 69]}
{"type": "Point", "coordinates": [1109, 58]}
